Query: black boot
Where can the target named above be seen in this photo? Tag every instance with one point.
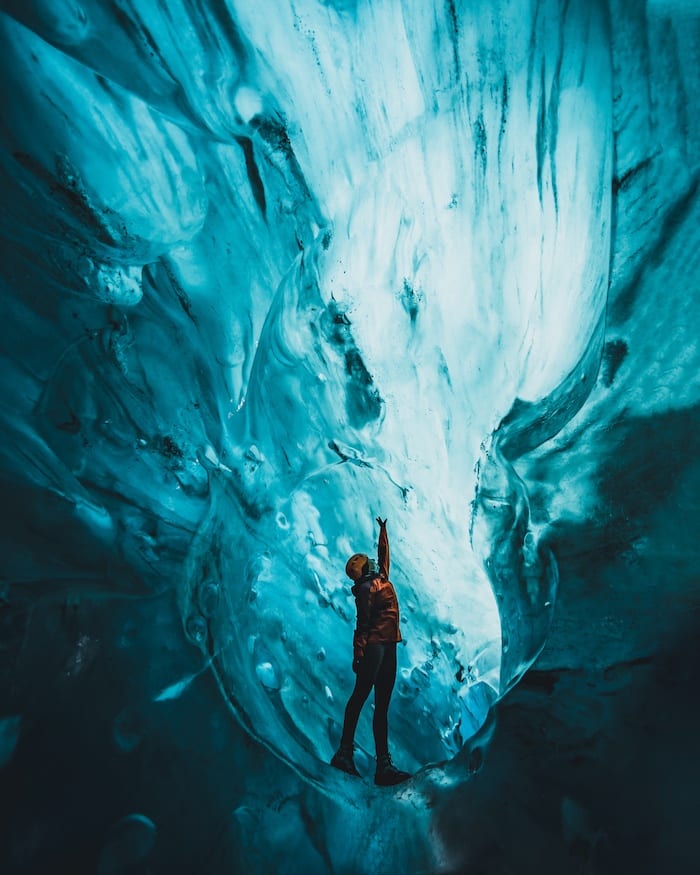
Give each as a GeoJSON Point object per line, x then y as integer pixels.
{"type": "Point", "coordinates": [343, 760]}
{"type": "Point", "coordinates": [387, 774]}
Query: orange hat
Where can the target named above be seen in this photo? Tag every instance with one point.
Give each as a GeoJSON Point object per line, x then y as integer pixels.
{"type": "Point", "coordinates": [356, 565]}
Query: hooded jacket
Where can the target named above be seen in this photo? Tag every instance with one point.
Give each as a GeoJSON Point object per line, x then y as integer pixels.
{"type": "Point", "coordinates": [377, 605]}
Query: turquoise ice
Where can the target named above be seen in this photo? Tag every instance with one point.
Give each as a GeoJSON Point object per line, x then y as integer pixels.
{"type": "Point", "coordinates": [301, 264]}
{"type": "Point", "coordinates": [273, 268]}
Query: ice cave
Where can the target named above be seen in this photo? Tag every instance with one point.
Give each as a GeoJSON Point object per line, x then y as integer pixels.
{"type": "Point", "coordinates": [274, 268]}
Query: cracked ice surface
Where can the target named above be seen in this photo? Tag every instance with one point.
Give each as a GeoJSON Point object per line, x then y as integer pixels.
{"type": "Point", "coordinates": [286, 267]}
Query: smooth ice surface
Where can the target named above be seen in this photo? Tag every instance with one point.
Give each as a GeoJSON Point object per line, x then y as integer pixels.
{"type": "Point", "coordinates": [284, 267]}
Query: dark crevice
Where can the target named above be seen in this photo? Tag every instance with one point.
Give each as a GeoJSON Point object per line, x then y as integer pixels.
{"type": "Point", "coordinates": [256, 183]}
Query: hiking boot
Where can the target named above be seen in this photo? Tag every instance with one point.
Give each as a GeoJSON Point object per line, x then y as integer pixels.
{"type": "Point", "coordinates": [343, 760]}
{"type": "Point", "coordinates": [387, 774]}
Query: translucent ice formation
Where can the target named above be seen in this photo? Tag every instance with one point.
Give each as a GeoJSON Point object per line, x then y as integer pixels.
{"type": "Point", "coordinates": [288, 266]}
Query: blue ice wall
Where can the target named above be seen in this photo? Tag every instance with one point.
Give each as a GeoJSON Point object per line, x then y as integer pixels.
{"type": "Point", "coordinates": [294, 267]}
{"type": "Point", "coordinates": [272, 269]}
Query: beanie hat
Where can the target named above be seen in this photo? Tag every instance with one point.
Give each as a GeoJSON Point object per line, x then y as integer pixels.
{"type": "Point", "coordinates": [356, 565]}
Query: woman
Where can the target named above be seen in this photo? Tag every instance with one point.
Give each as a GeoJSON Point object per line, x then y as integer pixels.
{"type": "Point", "coordinates": [374, 658]}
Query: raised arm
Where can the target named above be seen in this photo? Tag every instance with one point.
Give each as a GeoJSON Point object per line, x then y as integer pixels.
{"type": "Point", "coordinates": [383, 556]}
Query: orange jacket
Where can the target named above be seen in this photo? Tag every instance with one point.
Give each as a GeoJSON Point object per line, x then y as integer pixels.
{"type": "Point", "coordinates": [377, 605]}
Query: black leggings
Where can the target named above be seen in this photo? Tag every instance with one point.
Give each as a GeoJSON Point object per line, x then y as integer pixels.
{"type": "Point", "coordinates": [377, 669]}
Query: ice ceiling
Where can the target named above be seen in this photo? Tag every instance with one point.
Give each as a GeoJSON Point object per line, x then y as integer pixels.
{"type": "Point", "coordinates": [273, 268]}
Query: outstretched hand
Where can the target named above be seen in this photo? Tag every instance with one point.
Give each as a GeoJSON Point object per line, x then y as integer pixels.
{"type": "Point", "coordinates": [382, 522]}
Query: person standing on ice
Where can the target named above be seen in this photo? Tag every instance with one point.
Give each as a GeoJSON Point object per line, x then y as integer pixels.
{"type": "Point", "coordinates": [374, 658]}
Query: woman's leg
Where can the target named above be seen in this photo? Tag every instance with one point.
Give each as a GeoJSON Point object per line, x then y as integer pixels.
{"type": "Point", "coordinates": [366, 674]}
{"type": "Point", "coordinates": [383, 688]}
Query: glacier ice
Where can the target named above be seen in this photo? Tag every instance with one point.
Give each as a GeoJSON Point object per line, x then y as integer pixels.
{"type": "Point", "coordinates": [290, 272]}
{"type": "Point", "coordinates": [270, 269]}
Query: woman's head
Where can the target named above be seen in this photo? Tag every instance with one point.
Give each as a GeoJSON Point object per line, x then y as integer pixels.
{"type": "Point", "coordinates": [357, 565]}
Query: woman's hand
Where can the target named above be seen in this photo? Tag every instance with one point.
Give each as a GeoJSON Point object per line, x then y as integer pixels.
{"type": "Point", "coordinates": [382, 522]}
